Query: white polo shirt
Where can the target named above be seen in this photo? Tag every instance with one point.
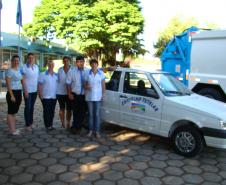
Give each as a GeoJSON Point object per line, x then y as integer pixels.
{"type": "Point", "coordinates": [95, 83]}
{"type": "Point", "coordinates": [31, 73]}
{"type": "Point", "coordinates": [61, 85]}
{"type": "Point", "coordinates": [49, 84]}
{"type": "Point", "coordinates": [76, 78]}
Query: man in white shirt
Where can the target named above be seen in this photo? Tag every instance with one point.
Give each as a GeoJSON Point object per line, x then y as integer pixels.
{"type": "Point", "coordinates": [47, 85]}
{"type": "Point", "coordinates": [30, 73]}
{"type": "Point", "coordinates": [62, 96]}
{"type": "Point", "coordinates": [75, 88]}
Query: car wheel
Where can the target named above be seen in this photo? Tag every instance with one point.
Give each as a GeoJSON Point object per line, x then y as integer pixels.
{"type": "Point", "coordinates": [187, 141]}
{"type": "Point", "coordinates": [211, 93]}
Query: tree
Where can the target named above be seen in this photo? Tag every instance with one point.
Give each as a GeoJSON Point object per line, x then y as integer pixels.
{"type": "Point", "coordinates": [97, 27]}
{"type": "Point", "coordinates": [175, 26]}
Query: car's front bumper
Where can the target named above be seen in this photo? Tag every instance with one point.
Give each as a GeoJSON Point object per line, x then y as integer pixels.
{"type": "Point", "coordinates": [214, 137]}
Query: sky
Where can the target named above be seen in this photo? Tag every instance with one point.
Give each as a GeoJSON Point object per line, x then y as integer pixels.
{"type": "Point", "coordinates": [157, 14]}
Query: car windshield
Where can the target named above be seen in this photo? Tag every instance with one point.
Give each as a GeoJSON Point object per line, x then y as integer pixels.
{"type": "Point", "coordinates": [170, 86]}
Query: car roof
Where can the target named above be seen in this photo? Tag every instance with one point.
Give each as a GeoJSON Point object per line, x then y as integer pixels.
{"type": "Point", "coordinates": [138, 70]}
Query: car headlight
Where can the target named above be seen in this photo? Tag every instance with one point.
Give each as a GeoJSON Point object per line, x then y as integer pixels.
{"type": "Point", "coordinates": [223, 124]}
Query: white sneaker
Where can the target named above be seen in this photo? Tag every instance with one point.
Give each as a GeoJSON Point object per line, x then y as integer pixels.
{"type": "Point", "coordinates": [16, 133]}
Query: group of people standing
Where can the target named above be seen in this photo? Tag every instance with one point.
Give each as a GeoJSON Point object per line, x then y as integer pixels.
{"type": "Point", "coordinates": [76, 88]}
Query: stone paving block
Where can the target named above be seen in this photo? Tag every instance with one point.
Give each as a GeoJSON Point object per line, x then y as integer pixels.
{"type": "Point", "coordinates": [175, 156]}
{"type": "Point", "coordinates": [48, 161]}
{"type": "Point", "coordinates": [145, 152]}
{"type": "Point", "coordinates": [77, 154]}
{"type": "Point", "coordinates": [192, 178]}
{"type": "Point", "coordinates": [57, 155]}
{"type": "Point", "coordinates": [81, 182]}
{"type": "Point", "coordinates": [154, 172]}
{"type": "Point", "coordinates": [222, 166]}
{"type": "Point", "coordinates": [20, 155]}
{"type": "Point", "coordinates": [112, 175]}
{"type": "Point", "coordinates": [7, 162]}
{"type": "Point", "coordinates": [210, 183]}
{"type": "Point", "coordinates": [42, 144]}
{"type": "Point", "coordinates": [25, 145]}
{"type": "Point", "coordinates": [192, 169]}
{"type": "Point", "coordinates": [174, 171]}
{"type": "Point", "coordinates": [157, 164]}
{"type": "Point", "coordinates": [87, 160]}
{"type": "Point", "coordinates": [124, 159]}
{"type": "Point", "coordinates": [209, 168]}
{"type": "Point", "coordinates": [27, 162]}
{"type": "Point", "coordinates": [150, 181]}
{"type": "Point", "coordinates": [13, 150]}
{"type": "Point", "coordinates": [126, 181]}
{"type": "Point", "coordinates": [191, 162]}
{"type": "Point", "coordinates": [57, 168]}
{"type": "Point", "coordinates": [49, 150]}
{"type": "Point", "coordinates": [119, 167]}
{"type": "Point", "coordinates": [134, 174]}
{"type": "Point", "coordinates": [13, 170]}
{"type": "Point", "coordinates": [33, 183]}
{"type": "Point", "coordinates": [39, 155]}
{"type": "Point", "coordinates": [94, 176]}
{"type": "Point", "coordinates": [69, 177]}
{"type": "Point", "coordinates": [95, 154]}
{"type": "Point", "coordinates": [21, 178]}
{"type": "Point", "coordinates": [176, 163]}
{"type": "Point", "coordinates": [45, 177]}
{"type": "Point", "coordinates": [36, 169]}
{"type": "Point", "coordinates": [208, 161]}
{"type": "Point", "coordinates": [212, 177]}
{"type": "Point", "coordinates": [3, 179]}
{"type": "Point", "coordinates": [173, 180]}
{"type": "Point", "coordinates": [4, 155]}
{"type": "Point", "coordinates": [223, 174]}
{"type": "Point", "coordinates": [31, 150]}
{"type": "Point", "coordinates": [138, 165]}
{"type": "Point", "coordinates": [104, 182]}
{"type": "Point", "coordinates": [141, 158]}
{"type": "Point", "coordinates": [67, 161]}
{"type": "Point", "coordinates": [57, 183]}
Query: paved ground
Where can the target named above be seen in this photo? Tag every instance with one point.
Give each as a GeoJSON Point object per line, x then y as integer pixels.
{"type": "Point", "coordinates": [122, 157]}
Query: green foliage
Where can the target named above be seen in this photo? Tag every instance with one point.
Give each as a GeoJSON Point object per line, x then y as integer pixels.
{"type": "Point", "coordinates": [176, 26]}
{"type": "Point", "coordinates": [96, 27]}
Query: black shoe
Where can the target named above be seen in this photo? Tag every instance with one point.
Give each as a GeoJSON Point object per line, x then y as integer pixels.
{"type": "Point", "coordinates": [75, 131]}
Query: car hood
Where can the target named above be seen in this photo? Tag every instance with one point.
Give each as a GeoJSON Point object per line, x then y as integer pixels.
{"type": "Point", "coordinates": [198, 104]}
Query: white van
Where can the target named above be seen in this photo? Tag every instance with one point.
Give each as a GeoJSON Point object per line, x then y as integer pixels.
{"type": "Point", "coordinates": [157, 103]}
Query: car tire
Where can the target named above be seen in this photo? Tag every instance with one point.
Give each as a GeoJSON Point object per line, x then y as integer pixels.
{"type": "Point", "coordinates": [187, 141]}
{"type": "Point", "coordinates": [211, 93]}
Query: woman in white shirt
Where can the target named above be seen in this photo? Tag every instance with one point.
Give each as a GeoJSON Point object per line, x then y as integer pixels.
{"type": "Point", "coordinates": [47, 85]}
{"type": "Point", "coordinates": [62, 96]}
{"type": "Point", "coordinates": [95, 87]}
{"type": "Point", "coordinates": [30, 85]}
{"type": "Point", "coordinates": [14, 93]}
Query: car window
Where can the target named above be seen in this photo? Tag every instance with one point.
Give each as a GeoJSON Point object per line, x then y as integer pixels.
{"type": "Point", "coordinates": [112, 80]}
{"type": "Point", "coordinates": [137, 83]}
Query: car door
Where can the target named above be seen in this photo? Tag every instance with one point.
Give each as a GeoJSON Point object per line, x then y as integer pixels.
{"type": "Point", "coordinates": [110, 110]}
{"type": "Point", "coordinates": [140, 104]}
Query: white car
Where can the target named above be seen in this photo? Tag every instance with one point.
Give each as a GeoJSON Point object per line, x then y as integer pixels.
{"type": "Point", "coordinates": [157, 103]}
